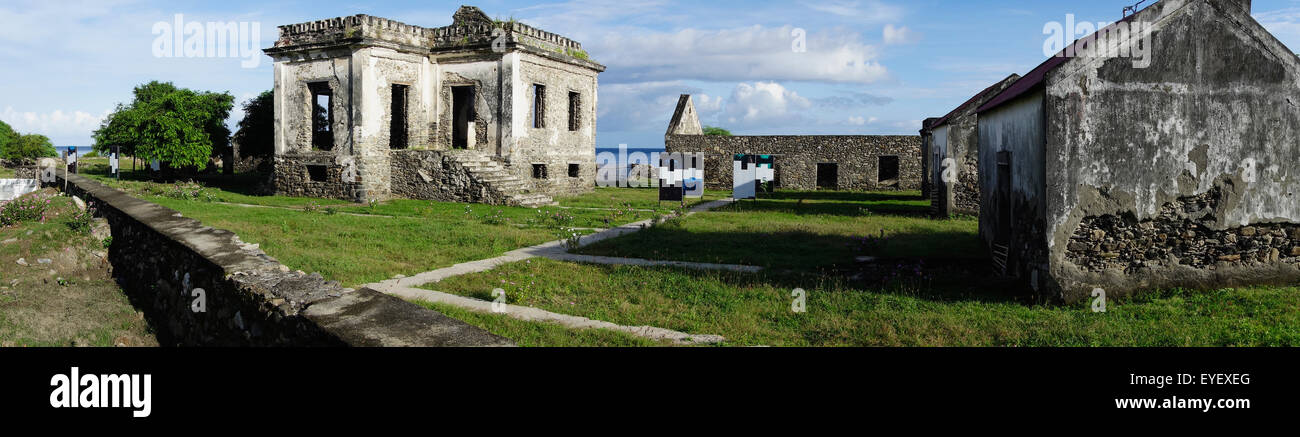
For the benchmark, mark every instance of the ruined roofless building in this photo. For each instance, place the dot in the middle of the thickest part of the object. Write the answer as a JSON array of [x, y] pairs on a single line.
[[488, 111], [802, 162], [1098, 173]]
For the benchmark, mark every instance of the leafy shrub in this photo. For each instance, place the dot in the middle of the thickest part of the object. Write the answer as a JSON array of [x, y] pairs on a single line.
[[81, 221], [23, 209]]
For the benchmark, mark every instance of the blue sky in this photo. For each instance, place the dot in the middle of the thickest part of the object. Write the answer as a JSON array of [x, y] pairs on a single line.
[[870, 66]]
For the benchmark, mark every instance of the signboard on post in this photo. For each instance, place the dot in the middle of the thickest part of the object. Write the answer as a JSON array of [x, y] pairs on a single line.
[[765, 173], [670, 177], [693, 179], [744, 176], [112, 160], [72, 159]]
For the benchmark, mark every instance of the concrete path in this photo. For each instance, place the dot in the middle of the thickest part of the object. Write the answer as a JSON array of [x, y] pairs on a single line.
[[405, 287], [555, 250], [539, 315]]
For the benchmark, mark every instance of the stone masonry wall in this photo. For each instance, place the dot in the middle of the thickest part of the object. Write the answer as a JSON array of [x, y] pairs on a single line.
[[434, 175], [161, 258], [1176, 236], [857, 158]]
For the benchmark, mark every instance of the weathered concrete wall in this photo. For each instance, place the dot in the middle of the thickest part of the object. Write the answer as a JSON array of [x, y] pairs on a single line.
[[160, 258], [362, 57], [1185, 173], [960, 139], [1012, 211], [856, 156], [554, 144]]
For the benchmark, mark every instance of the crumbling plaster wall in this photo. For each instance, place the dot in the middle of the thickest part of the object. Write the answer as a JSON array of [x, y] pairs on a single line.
[[553, 145], [1215, 113]]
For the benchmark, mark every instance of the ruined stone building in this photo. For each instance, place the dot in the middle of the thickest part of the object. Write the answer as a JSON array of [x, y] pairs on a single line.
[[1100, 174], [368, 108], [802, 162], [955, 137]]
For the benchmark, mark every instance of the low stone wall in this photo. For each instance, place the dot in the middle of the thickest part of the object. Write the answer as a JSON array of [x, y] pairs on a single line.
[[161, 258], [856, 158], [434, 175], [1180, 248]]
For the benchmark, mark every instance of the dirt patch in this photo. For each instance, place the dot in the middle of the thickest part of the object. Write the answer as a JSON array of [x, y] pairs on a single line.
[[56, 287]]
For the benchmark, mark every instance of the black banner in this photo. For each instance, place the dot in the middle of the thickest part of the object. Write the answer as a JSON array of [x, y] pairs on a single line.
[[369, 384]]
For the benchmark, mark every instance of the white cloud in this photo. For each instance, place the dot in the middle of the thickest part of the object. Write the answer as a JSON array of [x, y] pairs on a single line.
[[862, 11], [1284, 24], [59, 125], [860, 121], [764, 104], [899, 35], [749, 53]]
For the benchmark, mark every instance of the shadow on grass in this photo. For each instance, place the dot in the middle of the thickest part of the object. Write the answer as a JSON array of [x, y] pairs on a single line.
[[827, 208], [850, 196], [784, 250]]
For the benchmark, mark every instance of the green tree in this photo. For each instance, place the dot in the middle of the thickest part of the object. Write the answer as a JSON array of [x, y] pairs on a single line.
[[256, 134], [179, 127], [30, 146], [714, 130], [7, 135]]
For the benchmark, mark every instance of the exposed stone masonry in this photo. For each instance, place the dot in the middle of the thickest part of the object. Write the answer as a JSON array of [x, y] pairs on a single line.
[[1176, 236]]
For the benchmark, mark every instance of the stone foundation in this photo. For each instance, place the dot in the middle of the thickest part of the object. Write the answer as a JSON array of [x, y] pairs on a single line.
[[1178, 237]]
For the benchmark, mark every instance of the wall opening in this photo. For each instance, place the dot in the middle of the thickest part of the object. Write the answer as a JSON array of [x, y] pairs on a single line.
[[317, 173], [575, 111], [463, 113], [574, 170], [539, 171], [539, 106], [1002, 237], [322, 116], [887, 171], [397, 123], [828, 175]]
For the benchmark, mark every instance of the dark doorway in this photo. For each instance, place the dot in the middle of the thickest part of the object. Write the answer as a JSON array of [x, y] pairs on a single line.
[[1002, 239], [887, 171], [462, 110], [397, 137], [322, 116], [828, 175]]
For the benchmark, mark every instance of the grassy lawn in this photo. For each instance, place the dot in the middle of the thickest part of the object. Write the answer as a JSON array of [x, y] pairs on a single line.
[[751, 309], [64, 295], [361, 243], [804, 231]]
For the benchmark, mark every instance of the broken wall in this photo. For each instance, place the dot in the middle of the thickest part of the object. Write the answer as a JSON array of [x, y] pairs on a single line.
[[1185, 173], [857, 158]]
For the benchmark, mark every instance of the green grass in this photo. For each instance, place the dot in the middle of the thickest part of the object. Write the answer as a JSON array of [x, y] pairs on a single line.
[[804, 231], [751, 309], [361, 243], [540, 334]]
